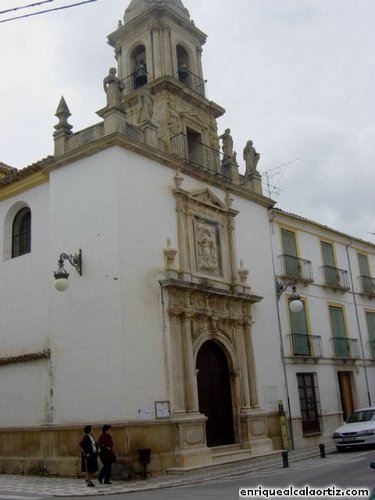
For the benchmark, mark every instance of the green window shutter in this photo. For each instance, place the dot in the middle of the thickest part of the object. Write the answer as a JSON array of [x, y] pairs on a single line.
[[340, 341], [300, 339], [292, 267], [363, 265], [364, 272], [331, 276], [370, 319]]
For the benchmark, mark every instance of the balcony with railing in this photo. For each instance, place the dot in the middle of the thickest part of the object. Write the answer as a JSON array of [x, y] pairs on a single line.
[[194, 82], [306, 346], [367, 285], [296, 269], [337, 279], [141, 77], [200, 156], [344, 347]]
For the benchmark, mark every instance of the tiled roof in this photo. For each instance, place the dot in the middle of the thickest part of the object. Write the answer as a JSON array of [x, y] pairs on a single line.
[[319, 224], [14, 175]]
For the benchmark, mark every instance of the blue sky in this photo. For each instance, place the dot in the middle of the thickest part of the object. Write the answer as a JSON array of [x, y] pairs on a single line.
[[295, 76]]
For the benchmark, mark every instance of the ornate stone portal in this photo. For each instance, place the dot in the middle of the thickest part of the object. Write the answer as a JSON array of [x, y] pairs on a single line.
[[207, 302]]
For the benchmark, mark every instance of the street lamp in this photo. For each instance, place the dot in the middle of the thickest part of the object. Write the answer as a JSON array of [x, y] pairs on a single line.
[[295, 303], [61, 274]]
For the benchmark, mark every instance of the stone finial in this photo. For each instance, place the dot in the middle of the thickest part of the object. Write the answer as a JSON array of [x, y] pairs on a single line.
[[63, 130], [169, 255], [63, 114], [243, 273]]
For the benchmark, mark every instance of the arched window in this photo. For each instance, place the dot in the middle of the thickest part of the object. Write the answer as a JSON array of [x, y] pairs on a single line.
[[140, 74], [21, 233], [183, 65]]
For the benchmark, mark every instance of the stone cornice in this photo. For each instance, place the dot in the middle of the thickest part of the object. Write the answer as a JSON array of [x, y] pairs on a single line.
[[23, 182], [38, 173]]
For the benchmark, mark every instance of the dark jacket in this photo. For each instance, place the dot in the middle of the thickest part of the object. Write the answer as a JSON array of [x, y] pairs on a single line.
[[105, 442], [89, 455]]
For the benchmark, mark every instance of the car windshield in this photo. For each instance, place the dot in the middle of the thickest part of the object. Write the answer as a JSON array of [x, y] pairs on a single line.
[[361, 416]]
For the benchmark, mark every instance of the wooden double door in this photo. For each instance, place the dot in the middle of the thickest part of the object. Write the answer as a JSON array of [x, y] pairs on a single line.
[[215, 395]]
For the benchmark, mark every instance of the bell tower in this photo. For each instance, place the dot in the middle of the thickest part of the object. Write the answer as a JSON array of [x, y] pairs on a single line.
[[158, 51]]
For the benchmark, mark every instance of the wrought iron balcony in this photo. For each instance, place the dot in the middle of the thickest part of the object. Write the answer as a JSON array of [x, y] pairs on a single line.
[[141, 77], [344, 347], [372, 348], [135, 81], [295, 268], [306, 345], [335, 278], [192, 81], [200, 156], [367, 285]]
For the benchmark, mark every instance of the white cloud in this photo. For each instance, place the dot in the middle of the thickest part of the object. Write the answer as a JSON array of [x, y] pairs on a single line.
[[295, 76]]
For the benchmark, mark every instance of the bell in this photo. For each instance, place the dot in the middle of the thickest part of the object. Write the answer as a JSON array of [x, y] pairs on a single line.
[[183, 72], [140, 76]]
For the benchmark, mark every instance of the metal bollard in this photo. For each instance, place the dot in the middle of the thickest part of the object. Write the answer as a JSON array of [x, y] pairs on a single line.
[[322, 449], [285, 458]]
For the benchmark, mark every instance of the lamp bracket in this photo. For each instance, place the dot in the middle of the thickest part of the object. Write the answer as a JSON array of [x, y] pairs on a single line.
[[281, 287], [74, 260]]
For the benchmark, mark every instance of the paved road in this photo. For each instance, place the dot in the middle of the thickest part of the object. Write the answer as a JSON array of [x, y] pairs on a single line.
[[346, 470]]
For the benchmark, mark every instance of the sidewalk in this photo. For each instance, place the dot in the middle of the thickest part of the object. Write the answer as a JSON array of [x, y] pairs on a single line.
[[61, 487]]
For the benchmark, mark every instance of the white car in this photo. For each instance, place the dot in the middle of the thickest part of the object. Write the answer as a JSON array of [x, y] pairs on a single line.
[[358, 430]]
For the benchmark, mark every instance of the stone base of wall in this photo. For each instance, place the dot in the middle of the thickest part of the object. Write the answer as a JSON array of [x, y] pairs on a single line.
[[328, 424], [54, 450]]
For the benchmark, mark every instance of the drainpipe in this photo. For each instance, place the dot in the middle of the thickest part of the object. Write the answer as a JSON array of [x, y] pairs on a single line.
[[282, 352], [358, 322]]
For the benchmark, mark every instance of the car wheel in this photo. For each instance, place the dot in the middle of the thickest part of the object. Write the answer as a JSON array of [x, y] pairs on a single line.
[[341, 449]]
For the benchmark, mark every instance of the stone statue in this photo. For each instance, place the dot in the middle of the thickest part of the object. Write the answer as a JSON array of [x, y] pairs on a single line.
[[146, 106], [173, 120], [251, 158], [227, 144], [207, 250], [113, 87]]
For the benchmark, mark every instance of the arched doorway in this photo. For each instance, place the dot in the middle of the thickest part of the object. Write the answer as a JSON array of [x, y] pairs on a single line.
[[214, 393]]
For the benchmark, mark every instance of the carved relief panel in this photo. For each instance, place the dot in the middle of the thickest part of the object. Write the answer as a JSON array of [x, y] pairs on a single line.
[[206, 236], [207, 246]]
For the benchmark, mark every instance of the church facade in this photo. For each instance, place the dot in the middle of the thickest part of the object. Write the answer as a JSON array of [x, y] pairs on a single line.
[[170, 329]]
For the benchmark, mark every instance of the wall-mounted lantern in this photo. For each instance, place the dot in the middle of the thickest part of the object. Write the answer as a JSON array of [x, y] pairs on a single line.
[[295, 302], [61, 274]]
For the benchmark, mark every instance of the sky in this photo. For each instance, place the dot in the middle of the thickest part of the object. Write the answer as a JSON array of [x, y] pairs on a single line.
[[297, 77]]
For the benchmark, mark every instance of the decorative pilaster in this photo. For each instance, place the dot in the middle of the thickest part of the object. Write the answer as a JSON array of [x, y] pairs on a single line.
[[255, 181], [241, 353], [191, 392], [182, 233], [114, 120], [251, 366], [179, 406]]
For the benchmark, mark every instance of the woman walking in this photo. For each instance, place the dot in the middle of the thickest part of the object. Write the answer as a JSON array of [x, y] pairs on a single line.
[[89, 455], [106, 454]]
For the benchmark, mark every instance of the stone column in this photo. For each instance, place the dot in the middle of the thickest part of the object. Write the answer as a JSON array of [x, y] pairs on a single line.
[[241, 355], [156, 45], [167, 50], [179, 405], [191, 393], [182, 235], [232, 249], [251, 366]]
